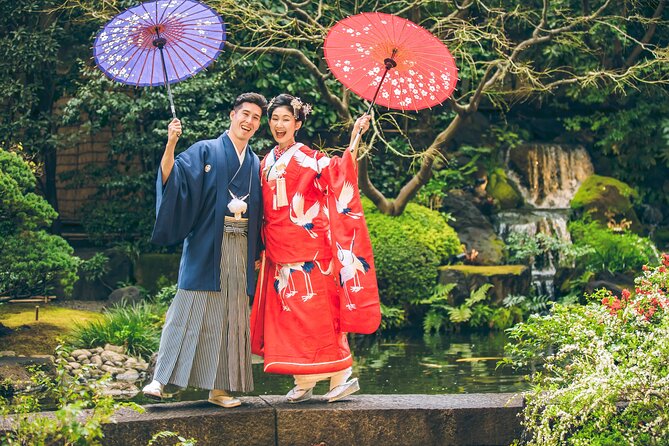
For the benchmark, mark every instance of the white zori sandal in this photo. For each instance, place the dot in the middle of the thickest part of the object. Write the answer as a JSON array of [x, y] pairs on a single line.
[[153, 390], [221, 398], [343, 390], [298, 394]]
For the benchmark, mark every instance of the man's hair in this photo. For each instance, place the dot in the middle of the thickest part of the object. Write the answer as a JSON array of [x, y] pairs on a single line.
[[253, 98]]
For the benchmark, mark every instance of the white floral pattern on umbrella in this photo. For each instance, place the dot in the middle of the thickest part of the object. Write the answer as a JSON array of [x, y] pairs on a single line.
[[194, 36], [356, 48]]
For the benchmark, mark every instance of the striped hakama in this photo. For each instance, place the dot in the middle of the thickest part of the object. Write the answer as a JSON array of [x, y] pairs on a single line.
[[205, 340]]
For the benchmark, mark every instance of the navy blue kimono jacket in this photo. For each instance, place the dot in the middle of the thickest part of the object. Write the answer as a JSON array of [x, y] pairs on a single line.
[[192, 205]]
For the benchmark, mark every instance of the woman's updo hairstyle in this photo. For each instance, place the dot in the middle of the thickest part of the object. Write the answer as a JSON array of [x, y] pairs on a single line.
[[300, 109]]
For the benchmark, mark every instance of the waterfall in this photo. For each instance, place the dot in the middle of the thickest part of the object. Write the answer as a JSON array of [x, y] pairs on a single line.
[[547, 176]]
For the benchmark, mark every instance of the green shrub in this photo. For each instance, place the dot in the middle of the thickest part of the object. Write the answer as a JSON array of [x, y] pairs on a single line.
[[425, 226], [31, 260], [137, 327], [604, 374], [166, 294], [405, 269], [608, 251]]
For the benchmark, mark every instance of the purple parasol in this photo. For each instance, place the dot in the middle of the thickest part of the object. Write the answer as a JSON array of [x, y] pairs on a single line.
[[159, 43]]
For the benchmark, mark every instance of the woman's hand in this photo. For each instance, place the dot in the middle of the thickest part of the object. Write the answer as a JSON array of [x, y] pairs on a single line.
[[173, 131], [361, 124]]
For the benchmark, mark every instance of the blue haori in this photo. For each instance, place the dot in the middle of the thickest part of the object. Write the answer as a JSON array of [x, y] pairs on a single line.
[[205, 341]]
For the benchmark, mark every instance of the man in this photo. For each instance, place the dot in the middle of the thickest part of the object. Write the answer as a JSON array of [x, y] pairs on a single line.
[[209, 197]]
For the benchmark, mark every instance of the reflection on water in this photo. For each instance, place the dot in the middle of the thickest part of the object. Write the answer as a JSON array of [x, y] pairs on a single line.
[[410, 363]]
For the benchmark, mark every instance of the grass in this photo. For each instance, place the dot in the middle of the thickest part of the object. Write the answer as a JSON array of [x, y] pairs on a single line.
[[39, 337]]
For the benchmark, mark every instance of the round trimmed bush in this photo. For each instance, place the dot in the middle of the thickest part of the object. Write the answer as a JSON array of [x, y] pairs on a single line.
[[408, 250]]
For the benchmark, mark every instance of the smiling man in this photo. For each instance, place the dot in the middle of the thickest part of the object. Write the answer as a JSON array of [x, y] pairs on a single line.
[[209, 197]]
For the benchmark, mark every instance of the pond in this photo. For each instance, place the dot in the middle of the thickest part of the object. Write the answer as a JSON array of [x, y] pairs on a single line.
[[406, 363]]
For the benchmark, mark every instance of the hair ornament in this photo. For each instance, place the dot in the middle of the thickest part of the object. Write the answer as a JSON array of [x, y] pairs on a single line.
[[298, 105]]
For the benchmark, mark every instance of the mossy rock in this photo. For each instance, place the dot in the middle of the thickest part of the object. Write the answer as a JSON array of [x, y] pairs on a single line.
[[504, 192], [606, 199]]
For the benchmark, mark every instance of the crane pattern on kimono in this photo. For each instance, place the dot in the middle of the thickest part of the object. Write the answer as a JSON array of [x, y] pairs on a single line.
[[301, 218], [344, 200], [351, 267], [284, 284], [312, 162]]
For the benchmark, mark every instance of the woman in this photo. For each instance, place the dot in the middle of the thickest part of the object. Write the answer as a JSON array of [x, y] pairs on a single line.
[[317, 279]]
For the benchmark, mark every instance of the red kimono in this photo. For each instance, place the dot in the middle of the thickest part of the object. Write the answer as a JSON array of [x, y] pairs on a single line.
[[318, 280]]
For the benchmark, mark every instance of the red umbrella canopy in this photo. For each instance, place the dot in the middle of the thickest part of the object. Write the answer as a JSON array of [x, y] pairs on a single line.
[[357, 50]]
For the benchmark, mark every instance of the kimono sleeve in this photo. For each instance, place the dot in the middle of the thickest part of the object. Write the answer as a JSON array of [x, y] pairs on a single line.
[[359, 308], [178, 201]]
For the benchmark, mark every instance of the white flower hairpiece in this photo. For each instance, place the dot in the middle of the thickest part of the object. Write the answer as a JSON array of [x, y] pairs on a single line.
[[298, 105]]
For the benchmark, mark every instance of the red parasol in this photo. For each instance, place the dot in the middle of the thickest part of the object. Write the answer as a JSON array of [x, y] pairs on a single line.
[[367, 49]]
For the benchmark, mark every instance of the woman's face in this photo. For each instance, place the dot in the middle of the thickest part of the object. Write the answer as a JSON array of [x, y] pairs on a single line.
[[283, 125]]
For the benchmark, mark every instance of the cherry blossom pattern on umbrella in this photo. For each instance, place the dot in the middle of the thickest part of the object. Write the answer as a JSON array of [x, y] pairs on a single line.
[[159, 42], [389, 60]]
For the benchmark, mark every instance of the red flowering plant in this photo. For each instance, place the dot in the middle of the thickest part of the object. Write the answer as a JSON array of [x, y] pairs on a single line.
[[601, 369], [649, 302]]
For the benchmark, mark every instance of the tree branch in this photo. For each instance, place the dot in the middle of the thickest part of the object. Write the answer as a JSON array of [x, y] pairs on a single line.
[[342, 110]]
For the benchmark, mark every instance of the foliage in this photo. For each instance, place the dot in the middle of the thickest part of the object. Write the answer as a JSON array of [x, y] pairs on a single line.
[[137, 327], [407, 251], [392, 317], [68, 426], [532, 249], [39, 45], [441, 314], [631, 136], [427, 227], [31, 261], [181, 441], [604, 371], [166, 294], [608, 251]]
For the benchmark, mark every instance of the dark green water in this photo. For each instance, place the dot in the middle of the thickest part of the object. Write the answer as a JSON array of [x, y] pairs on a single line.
[[410, 363]]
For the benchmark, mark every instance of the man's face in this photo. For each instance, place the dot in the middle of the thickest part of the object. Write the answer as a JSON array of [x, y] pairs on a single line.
[[245, 121]]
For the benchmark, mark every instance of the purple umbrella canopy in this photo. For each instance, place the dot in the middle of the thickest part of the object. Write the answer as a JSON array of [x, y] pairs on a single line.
[[159, 42]]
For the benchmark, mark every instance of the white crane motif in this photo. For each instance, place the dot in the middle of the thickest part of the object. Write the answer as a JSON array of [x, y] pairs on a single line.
[[301, 218], [345, 197], [352, 265]]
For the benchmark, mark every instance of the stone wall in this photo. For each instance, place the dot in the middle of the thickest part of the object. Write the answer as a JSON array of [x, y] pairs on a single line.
[[362, 420]]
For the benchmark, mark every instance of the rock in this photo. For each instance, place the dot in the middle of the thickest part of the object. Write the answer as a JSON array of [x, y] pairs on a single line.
[[129, 375], [96, 360], [114, 348], [80, 352], [125, 296], [474, 230], [141, 366], [608, 201], [120, 389], [81, 358], [504, 192], [74, 365], [7, 353], [113, 357], [112, 370]]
